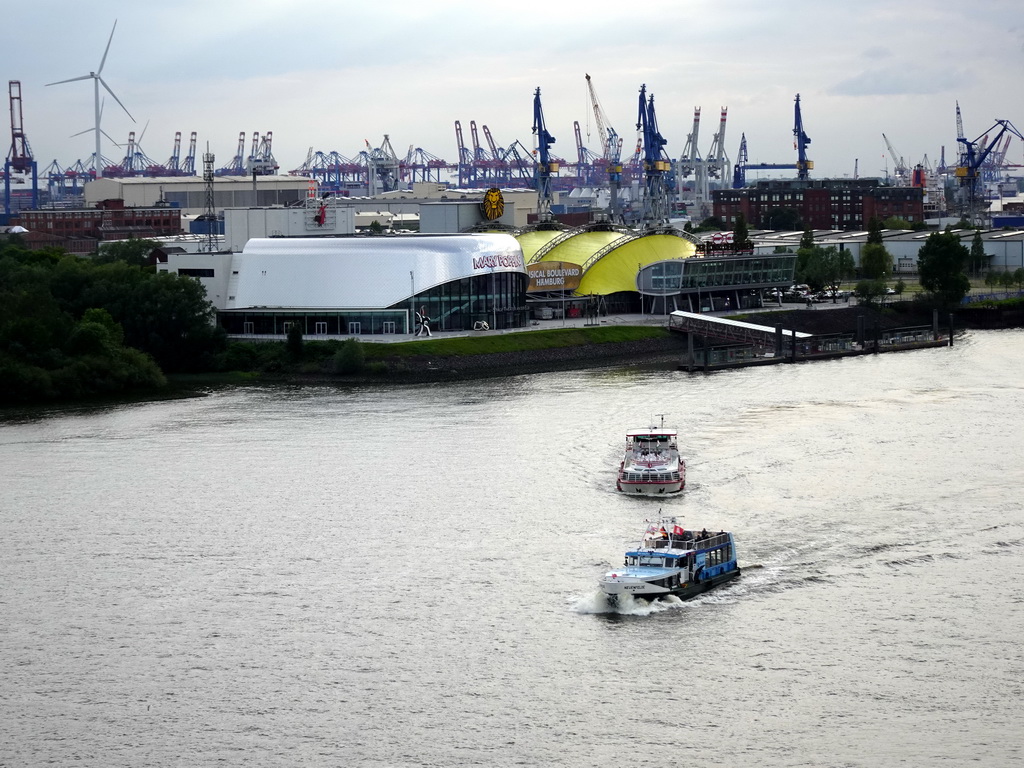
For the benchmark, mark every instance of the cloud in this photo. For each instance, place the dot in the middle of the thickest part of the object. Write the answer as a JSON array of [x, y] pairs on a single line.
[[899, 80]]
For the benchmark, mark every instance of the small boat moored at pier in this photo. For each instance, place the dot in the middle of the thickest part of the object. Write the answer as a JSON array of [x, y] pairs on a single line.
[[670, 560], [652, 465]]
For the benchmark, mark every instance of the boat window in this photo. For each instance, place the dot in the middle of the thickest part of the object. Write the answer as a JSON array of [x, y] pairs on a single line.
[[652, 561]]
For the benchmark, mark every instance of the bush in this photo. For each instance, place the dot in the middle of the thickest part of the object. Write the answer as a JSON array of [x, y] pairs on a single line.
[[350, 358]]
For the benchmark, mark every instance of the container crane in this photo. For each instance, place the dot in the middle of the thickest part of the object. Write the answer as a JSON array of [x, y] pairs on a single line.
[[545, 166], [611, 152], [656, 164], [174, 161], [237, 165], [19, 158], [188, 166], [466, 170]]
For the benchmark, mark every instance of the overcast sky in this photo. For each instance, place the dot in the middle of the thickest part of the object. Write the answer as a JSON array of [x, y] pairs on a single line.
[[332, 75]]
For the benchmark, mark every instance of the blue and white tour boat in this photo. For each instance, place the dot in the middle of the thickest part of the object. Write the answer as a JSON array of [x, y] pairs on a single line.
[[672, 560]]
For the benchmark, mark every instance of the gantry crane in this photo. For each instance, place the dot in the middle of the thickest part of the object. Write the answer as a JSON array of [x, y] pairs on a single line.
[[19, 158]]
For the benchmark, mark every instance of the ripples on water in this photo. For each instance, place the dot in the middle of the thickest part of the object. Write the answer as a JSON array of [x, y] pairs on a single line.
[[407, 576]]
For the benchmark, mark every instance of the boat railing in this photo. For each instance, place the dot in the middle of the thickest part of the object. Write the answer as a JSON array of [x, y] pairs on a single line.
[[687, 541]]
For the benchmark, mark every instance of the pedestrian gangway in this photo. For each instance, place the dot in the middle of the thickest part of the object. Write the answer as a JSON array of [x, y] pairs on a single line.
[[730, 330]]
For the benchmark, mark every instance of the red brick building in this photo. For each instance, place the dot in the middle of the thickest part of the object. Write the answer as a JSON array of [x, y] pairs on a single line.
[[81, 230], [835, 204]]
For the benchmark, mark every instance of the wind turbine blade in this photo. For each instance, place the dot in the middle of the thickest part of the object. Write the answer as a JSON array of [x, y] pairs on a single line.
[[87, 130], [104, 84], [139, 141], [109, 137], [105, 52], [72, 80]]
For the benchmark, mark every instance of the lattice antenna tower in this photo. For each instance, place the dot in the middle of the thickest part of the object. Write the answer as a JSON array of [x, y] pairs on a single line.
[[210, 242]]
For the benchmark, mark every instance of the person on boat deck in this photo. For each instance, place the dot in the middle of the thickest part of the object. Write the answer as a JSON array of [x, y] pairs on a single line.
[[703, 533]]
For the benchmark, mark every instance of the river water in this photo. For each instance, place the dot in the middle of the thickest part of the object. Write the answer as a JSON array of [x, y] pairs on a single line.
[[407, 576]]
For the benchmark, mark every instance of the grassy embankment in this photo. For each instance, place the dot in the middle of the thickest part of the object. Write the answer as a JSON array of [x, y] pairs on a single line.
[[252, 361]]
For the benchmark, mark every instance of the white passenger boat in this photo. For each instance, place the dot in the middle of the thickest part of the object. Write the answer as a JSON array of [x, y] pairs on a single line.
[[671, 560], [652, 465]]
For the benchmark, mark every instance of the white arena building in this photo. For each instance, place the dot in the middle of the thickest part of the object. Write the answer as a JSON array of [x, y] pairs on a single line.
[[367, 284]]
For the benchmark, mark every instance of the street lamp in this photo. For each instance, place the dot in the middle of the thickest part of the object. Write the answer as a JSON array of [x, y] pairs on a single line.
[[412, 301]]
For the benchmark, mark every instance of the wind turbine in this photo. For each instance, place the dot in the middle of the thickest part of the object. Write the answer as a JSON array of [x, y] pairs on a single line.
[[97, 81]]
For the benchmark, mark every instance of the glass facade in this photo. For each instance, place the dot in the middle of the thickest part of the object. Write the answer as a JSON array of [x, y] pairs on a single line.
[[685, 275], [498, 299]]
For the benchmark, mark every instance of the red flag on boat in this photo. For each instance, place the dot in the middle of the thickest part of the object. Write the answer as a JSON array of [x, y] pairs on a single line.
[[677, 530]]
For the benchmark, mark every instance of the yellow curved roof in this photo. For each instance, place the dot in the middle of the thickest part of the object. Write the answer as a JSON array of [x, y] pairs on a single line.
[[580, 247], [617, 270], [534, 240]]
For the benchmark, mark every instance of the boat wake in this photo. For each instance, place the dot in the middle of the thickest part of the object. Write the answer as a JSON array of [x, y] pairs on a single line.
[[627, 605]]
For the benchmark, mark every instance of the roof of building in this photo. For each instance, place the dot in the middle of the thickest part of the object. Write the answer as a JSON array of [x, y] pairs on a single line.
[[362, 272]]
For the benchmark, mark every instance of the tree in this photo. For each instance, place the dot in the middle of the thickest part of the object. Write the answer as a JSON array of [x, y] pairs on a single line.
[[874, 231], [875, 261], [900, 286], [1006, 280], [711, 223], [1018, 278], [807, 239], [131, 251], [895, 222], [741, 235], [294, 342], [991, 279], [349, 358], [979, 260], [870, 291], [784, 219], [941, 262]]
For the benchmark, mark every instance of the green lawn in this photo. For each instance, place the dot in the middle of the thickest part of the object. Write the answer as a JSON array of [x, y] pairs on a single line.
[[487, 343]]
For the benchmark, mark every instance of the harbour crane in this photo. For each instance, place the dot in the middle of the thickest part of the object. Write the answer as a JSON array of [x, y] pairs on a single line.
[[19, 158], [800, 142], [803, 165], [611, 152], [188, 166], [545, 167], [586, 160], [900, 169], [974, 154], [657, 165], [173, 162], [466, 168], [739, 175], [237, 165]]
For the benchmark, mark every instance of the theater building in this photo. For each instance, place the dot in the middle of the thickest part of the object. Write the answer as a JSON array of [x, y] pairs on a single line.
[[370, 285]]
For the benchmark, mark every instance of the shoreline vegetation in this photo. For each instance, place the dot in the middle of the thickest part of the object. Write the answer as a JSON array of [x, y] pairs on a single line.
[[297, 361], [531, 351]]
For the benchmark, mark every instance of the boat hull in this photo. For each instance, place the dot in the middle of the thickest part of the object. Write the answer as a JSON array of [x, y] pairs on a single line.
[[613, 590], [650, 489]]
